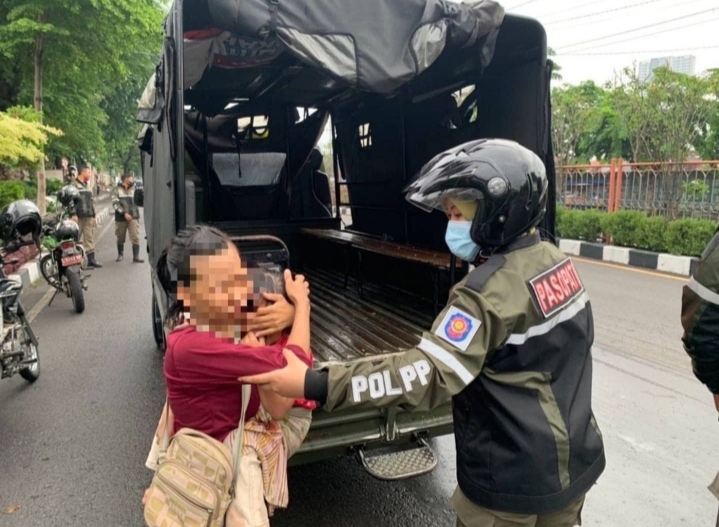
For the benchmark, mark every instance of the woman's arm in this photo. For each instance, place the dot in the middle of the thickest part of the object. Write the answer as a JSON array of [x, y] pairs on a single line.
[[299, 290], [276, 405]]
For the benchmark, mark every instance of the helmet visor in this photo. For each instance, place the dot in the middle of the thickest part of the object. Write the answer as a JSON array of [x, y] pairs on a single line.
[[444, 186]]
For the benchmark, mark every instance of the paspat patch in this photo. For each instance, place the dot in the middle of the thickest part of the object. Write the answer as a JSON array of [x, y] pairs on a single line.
[[458, 328]]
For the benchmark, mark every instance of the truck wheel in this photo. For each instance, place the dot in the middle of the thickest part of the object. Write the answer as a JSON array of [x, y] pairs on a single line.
[[157, 326], [76, 292]]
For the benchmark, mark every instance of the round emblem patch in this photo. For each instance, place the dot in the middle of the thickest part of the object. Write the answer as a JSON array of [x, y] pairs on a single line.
[[458, 327]]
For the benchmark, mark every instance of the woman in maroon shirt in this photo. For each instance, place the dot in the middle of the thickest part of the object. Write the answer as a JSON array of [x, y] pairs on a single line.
[[211, 293]]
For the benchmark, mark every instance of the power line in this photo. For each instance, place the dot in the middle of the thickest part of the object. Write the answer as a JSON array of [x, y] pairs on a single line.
[[598, 54], [596, 13], [522, 5], [621, 33], [580, 6], [596, 19], [583, 49]]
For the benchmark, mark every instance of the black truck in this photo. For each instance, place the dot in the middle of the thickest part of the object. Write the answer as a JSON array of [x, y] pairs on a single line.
[[255, 102]]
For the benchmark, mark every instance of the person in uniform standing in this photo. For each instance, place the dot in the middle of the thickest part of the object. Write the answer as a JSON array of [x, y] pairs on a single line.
[[700, 320], [127, 217], [84, 215], [512, 348]]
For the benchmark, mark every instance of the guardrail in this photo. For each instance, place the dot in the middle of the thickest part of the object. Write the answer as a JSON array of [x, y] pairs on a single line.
[[675, 190]]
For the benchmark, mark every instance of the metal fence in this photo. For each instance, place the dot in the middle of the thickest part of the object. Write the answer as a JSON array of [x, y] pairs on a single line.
[[673, 190]]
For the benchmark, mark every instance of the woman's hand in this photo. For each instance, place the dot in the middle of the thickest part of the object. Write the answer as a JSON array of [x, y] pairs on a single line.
[[145, 497], [297, 288], [273, 318], [252, 340]]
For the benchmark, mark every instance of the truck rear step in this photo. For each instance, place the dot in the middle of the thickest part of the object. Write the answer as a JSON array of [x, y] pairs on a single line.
[[394, 465]]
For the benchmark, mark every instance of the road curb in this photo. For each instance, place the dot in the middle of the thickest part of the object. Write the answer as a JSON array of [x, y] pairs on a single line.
[[666, 263]]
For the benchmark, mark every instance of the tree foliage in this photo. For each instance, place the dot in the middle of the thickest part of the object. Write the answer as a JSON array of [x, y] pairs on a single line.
[[660, 121], [22, 137], [94, 53]]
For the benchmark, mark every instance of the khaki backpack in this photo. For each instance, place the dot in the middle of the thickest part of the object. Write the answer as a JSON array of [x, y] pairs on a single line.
[[194, 484]]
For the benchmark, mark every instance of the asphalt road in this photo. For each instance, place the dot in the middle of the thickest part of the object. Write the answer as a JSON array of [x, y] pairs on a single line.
[[72, 446]]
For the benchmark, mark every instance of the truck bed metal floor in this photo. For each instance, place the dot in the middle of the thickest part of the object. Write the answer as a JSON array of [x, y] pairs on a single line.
[[346, 326]]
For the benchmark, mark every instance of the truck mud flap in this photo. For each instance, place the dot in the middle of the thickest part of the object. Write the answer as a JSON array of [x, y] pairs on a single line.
[[396, 464]]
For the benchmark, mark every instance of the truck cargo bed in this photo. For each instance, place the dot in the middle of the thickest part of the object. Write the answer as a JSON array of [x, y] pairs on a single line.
[[347, 326]]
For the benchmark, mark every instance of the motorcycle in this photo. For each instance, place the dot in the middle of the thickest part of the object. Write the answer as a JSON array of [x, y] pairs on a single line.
[[19, 346], [62, 267]]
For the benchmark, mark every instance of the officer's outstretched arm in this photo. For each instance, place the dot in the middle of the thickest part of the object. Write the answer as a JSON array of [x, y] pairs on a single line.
[[448, 358]]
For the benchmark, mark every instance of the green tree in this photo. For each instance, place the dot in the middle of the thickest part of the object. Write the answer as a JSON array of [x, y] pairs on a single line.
[[80, 53], [574, 110], [707, 142], [556, 69], [663, 118], [22, 138]]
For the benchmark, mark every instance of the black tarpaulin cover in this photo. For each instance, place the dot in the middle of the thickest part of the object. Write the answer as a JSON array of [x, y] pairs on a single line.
[[375, 45]]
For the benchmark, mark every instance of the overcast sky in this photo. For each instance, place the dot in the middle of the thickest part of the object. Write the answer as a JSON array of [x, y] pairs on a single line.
[[676, 25]]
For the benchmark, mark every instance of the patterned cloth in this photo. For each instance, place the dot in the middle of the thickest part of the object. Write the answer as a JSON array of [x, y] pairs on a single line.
[[274, 443]]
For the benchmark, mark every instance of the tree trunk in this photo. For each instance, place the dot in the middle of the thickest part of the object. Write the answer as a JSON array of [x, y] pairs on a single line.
[[39, 45]]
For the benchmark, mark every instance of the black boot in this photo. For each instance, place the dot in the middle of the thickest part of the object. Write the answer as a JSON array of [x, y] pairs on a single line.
[[136, 254], [91, 262], [120, 250]]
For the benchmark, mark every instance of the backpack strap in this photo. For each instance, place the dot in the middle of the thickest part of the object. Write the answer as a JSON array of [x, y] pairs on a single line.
[[239, 441], [165, 439]]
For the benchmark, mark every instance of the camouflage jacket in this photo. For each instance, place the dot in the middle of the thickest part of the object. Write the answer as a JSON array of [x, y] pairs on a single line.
[[700, 317], [123, 201]]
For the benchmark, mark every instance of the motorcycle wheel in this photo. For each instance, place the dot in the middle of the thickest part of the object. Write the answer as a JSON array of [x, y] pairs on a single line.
[[32, 372], [49, 271], [157, 330], [76, 292]]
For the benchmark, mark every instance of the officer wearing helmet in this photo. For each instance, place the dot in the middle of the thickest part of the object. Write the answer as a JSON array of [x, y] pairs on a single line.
[[512, 348]]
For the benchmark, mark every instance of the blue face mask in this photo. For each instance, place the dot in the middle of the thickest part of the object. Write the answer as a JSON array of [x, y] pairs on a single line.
[[460, 242]]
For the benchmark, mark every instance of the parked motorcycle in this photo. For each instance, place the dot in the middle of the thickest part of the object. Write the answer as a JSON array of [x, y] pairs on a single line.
[[18, 343], [62, 267]]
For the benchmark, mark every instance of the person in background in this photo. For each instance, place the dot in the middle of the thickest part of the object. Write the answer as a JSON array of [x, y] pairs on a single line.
[[700, 320], [71, 174], [512, 349], [84, 215], [127, 217]]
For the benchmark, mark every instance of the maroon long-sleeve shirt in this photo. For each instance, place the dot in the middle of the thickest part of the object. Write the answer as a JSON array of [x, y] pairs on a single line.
[[201, 372]]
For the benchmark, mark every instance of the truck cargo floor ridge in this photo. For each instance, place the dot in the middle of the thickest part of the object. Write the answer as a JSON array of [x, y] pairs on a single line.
[[346, 327]]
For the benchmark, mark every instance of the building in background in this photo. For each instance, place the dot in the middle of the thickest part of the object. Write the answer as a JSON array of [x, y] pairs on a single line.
[[684, 64]]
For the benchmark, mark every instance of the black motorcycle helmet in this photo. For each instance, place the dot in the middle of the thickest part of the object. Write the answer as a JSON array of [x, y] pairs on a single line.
[[508, 180], [19, 220], [68, 195], [67, 230]]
